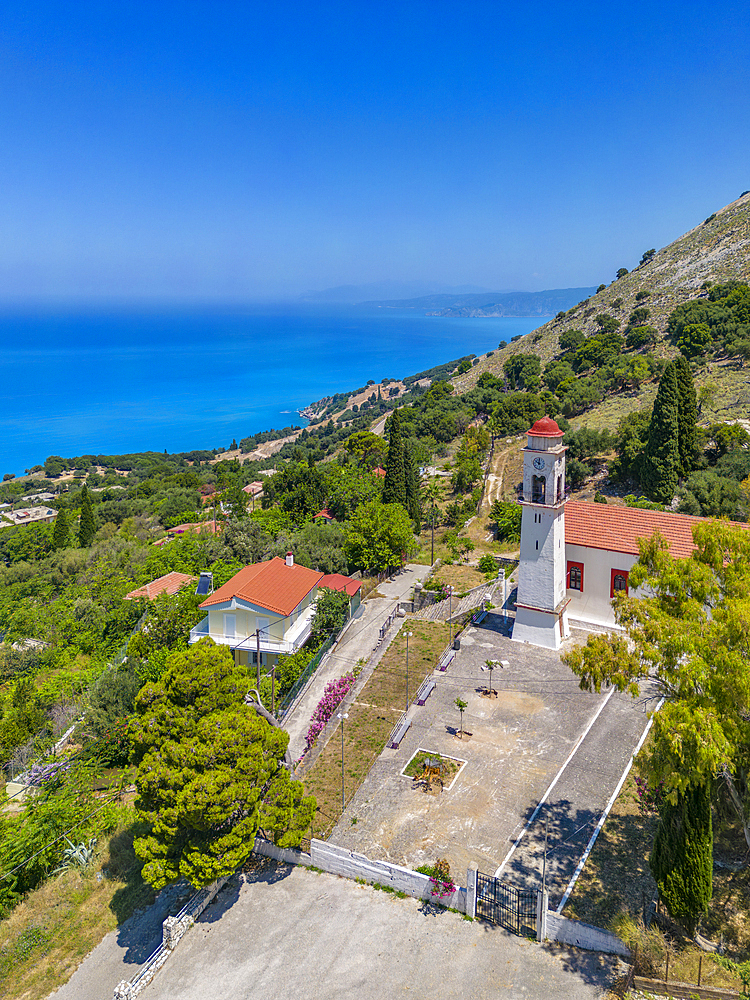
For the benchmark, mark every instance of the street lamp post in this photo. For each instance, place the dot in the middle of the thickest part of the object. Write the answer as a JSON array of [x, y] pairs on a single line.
[[450, 614], [342, 716], [408, 636]]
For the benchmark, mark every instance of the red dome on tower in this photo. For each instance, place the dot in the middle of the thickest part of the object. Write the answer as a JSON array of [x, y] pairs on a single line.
[[546, 427]]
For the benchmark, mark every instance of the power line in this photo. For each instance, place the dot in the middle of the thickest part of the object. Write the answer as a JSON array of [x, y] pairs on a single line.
[[52, 842]]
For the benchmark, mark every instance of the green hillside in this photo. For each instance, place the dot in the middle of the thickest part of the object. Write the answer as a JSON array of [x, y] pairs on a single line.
[[717, 251]]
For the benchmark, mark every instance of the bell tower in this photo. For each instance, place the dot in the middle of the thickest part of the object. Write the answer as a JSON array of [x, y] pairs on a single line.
[[541, 616]]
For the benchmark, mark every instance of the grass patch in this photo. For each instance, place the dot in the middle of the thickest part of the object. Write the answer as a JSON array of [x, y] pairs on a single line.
[[461, 578], [371, 719], [417, 764], [47, 936]]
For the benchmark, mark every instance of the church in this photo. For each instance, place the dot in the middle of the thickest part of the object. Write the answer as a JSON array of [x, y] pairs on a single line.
[[576, 555]]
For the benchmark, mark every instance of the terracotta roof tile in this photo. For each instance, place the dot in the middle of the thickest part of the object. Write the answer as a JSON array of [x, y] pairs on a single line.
[[168, 584], [617, 529], [272, 585], [337, 581]]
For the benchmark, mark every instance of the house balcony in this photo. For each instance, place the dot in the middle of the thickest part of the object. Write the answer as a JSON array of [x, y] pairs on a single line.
[[294, 637]]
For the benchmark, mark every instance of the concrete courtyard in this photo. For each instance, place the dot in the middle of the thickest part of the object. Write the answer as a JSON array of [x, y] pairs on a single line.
[[293, 933], [519, 742]]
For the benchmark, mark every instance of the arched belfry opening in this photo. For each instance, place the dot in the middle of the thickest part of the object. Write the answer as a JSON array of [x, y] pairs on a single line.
[[538, 489]]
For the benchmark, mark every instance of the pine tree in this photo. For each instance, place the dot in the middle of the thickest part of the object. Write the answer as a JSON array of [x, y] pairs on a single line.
[[682, 856], [413, 494], [87, 527], [661, 462], [687, 414], [61, 533], [394, 484]]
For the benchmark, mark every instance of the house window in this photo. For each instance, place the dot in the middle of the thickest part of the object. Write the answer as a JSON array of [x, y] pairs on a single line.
[[619, 582], [230, 626], [575, 576]]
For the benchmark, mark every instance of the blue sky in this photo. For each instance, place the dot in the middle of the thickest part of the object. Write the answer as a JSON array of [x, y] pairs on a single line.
[[246, 150]]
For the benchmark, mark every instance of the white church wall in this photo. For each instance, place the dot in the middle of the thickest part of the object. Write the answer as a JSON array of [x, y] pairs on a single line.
[[538, 628], [594, 603]]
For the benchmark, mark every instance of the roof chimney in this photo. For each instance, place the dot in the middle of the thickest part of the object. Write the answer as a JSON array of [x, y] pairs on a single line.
[[289, 559]]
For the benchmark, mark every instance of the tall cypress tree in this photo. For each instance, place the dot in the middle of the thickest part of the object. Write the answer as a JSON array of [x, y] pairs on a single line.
[[87, 527], [413, 494], [394, 484], [61, 533], [687, 414], [682, 856], [661, 462]]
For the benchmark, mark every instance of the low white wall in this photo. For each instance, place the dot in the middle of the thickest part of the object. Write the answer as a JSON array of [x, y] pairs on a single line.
[[289, 855], [580, 935], [339, 861]]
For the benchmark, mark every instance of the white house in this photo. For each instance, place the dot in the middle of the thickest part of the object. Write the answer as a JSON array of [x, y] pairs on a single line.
[[267, 606], [576, 555]]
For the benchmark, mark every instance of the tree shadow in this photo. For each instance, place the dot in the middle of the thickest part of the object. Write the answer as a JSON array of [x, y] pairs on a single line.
[[259, 869]]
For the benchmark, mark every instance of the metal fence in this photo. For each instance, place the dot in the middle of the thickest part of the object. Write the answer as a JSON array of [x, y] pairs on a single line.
[[290, 697]]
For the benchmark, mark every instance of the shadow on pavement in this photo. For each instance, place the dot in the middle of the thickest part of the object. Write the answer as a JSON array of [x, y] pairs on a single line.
[[266, 871], [592, 967], [141, 934]]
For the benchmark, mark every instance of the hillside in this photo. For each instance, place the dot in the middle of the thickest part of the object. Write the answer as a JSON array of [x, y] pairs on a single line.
[[717, 250]]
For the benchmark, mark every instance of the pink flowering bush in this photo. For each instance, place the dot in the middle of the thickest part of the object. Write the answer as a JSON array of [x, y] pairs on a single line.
[[334, 694]]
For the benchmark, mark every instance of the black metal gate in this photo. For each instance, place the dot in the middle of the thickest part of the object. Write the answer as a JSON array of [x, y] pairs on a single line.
[[506, 905]]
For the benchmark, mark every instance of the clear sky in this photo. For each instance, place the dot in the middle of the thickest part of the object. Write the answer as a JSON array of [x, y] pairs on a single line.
[[226, 150]]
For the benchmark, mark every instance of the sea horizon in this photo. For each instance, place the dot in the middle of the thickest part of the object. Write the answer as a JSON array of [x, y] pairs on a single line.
[[104, 380]]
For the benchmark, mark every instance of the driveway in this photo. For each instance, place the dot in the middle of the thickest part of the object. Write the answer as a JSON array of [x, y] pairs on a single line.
[[358, 642], [291, 933]]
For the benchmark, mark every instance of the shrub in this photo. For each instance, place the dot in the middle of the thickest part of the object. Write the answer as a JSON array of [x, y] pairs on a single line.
[[487, 564], [640, 296]]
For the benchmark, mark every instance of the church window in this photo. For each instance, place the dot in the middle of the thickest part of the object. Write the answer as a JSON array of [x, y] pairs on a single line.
[[538, 489], [537, 543], [575, 576], [559, 488], [619, 582]]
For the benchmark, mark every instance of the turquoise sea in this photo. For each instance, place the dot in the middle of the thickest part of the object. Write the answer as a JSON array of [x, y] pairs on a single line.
[[110, 382]]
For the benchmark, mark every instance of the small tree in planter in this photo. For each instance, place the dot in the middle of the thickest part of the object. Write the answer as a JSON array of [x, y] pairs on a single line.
[[490, 664], [461, 706]]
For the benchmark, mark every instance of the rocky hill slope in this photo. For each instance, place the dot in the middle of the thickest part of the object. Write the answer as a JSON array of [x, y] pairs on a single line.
[[717, 250]]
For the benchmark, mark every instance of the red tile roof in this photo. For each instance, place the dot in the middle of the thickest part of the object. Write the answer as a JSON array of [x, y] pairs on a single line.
[[323, 513], [546, 427], [210, 526], [378, 472], [337, 581], [168, 584], [272, 585], [617, 529]]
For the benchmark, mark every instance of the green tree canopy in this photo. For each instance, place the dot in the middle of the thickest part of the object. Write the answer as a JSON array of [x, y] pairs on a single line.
[[379, 536], [211, 771], [87, 526], [394, 485], [687, 641], [661, 462]]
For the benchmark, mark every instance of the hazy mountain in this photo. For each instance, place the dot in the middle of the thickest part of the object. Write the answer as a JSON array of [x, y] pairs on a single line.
[[379, 290], [545, 303]]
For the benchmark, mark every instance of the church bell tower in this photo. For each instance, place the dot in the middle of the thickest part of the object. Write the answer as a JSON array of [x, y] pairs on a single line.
[[541, 616]]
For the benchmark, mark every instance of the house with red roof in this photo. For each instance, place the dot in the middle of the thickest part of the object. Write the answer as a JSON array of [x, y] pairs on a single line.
[[267, 607], [170, 584]]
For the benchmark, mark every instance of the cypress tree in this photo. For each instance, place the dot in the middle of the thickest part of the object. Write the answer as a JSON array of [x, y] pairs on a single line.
[[61, 532], [687, 414], [413, 494], [682, 856], [394, 484], [87, 527], [661, 462]]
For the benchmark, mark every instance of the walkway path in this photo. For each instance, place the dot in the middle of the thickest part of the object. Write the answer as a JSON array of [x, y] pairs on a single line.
[[358, 642], [455, 607]]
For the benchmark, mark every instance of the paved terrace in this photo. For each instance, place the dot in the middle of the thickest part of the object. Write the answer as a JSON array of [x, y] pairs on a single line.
[[519, 742]]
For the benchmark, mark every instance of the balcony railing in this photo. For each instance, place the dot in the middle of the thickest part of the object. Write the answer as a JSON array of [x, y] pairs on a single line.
[[295, 637]]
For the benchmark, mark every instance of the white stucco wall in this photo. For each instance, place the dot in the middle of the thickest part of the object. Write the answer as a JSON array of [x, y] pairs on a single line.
[[594, 605]]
